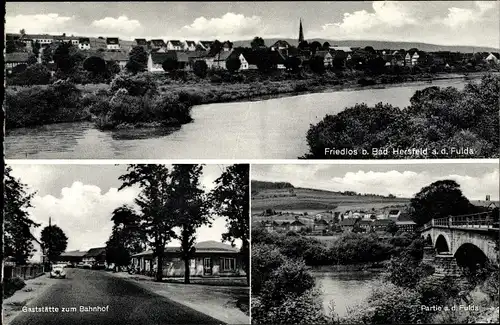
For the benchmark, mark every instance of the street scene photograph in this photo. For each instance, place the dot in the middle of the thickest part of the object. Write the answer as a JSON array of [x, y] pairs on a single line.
[[126, 244], [252, 80], [375, 243]]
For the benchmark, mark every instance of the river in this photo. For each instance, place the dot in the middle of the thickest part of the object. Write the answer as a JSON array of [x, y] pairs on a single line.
[[267, 129], [345, 289]]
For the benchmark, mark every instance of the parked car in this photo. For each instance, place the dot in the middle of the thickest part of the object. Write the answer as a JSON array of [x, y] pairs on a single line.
[[86, 266], [58, 271], [99, 266]]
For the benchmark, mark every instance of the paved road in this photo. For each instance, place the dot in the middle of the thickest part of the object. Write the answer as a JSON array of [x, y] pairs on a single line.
[[128, 303]]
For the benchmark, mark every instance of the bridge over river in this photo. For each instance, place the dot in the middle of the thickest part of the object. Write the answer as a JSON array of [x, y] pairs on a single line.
[[461, 241]]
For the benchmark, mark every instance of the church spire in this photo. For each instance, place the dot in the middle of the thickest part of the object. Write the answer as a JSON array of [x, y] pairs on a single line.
[[301, 32]]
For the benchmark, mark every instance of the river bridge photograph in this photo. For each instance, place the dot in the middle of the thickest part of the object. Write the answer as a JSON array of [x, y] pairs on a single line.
[[375, 244]]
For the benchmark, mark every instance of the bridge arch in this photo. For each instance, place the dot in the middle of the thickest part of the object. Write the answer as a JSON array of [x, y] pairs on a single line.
[[470, 256], [441, 244]]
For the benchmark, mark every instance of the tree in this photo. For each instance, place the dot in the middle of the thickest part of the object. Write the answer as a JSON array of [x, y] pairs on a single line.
[[47, 54], [326, 46], [189, 208], [233, 64], [32, 60], [304, 45], [215, 48], [317, 64], [126, 237], [156, 219], [137, 60], [200, 68], [292, 63], [230, 198], [264, 61], [36, 48], [95, 64], [257, 42], [54, 241], [439, 200], [314, 46], [36, 74], [112, 68], [66, 57], [170, 65], [10, 46], [392, 228], [17, 238]]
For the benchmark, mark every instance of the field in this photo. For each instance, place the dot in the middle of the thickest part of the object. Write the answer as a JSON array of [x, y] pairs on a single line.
[[300, 200]]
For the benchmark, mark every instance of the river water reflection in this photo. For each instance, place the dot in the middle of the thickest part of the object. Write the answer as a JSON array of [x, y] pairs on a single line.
[[345, 289], [268, 129]]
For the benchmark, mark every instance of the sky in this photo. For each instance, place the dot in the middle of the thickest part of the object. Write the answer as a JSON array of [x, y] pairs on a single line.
[[475, 180], [81, 198], [474, 23]]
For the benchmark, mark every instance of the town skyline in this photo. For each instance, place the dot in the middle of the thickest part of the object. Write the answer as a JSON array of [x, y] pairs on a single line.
[[403, 181], [459, 23]]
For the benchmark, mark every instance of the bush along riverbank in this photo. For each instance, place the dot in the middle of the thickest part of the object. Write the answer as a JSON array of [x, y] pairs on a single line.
[[439, 123], [284, 289], [155, 100], [38, 105]]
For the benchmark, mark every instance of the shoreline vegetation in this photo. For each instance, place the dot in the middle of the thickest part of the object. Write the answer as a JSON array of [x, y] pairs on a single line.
[[158, 100], [285, 268]]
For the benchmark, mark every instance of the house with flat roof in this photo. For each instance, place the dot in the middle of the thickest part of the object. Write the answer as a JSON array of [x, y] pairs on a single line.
[[211, 259]]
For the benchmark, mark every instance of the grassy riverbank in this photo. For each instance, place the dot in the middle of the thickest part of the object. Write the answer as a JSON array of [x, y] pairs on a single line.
[[158, 100]]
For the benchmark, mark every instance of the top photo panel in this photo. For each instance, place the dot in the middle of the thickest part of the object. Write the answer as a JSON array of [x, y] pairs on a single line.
[[246, 80]]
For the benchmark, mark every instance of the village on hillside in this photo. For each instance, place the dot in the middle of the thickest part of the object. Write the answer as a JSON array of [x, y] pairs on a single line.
[[379, 219], [24, 49]]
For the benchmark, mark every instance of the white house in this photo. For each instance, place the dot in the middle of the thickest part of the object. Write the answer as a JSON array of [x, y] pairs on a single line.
[[38, 252], [244, 62], [112, 43], [84, 44], [155, 61], [493, 58], [205, 45], [174, 45], [190, 46], [42, 39]]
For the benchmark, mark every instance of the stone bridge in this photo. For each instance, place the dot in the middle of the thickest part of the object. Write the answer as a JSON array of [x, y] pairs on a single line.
[[460, 241]]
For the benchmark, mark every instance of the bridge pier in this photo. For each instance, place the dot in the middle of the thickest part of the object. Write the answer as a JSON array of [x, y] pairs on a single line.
[[445, 264], [429, 255]]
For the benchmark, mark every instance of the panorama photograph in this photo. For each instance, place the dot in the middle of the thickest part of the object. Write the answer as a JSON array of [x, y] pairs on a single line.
[[375, 243], [126, 244], [247, 80]]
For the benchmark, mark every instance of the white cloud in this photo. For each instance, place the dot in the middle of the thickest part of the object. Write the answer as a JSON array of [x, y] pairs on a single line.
[[120, 24], [83, 212], [39, 23], [459, 16], [399, 183], [230, 25], [419, 22]]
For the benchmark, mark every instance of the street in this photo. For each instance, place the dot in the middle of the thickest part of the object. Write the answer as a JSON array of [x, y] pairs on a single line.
[[120, 302]]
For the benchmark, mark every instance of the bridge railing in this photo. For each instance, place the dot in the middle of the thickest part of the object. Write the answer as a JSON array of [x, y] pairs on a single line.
[[476, 220]]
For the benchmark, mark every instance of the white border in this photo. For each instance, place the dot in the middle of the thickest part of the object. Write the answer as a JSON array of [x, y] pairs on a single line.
[[251, 161]]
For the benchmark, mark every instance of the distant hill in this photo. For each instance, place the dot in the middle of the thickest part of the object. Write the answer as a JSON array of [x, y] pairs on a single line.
[[257, 185], [268, 195], [380, 45]]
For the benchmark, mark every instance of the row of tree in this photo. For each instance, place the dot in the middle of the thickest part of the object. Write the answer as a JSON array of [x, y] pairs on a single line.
[[17, 236], [172, 198]]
